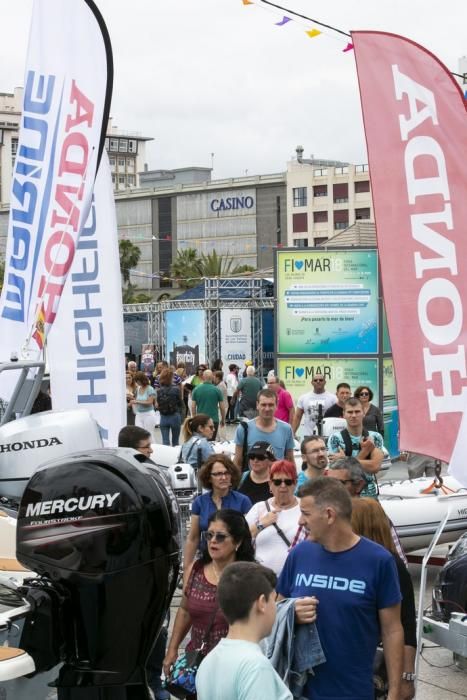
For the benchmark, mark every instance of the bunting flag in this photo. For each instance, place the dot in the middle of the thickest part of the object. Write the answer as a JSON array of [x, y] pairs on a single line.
[[283, 21], [67, 92], [313, 32], [248, 2], [415, 125], [86, 343], [349, 47]]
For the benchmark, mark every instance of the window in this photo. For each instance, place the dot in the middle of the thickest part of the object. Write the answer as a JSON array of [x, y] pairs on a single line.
[[320, 240], [300, 223], [131, 180], [121, 179], [132, 146], [340, 192], [114, 179], [299, 197], [113, 145], [320, 190], [300, 242], [107, 144], [361, 168], [320, 172], [111, 161], [320, 217], [123, 145], [363, 213], [130, 164], [121, 162], [362, 186], [341, 218], [344, 170], [14, 149]]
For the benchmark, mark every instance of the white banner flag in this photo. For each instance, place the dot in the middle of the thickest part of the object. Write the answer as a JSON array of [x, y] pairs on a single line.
[[85, 345], [67, 92], [235, 336]]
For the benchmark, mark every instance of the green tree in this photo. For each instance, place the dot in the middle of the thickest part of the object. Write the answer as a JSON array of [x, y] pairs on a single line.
[[185, 268], [129, 258], [130, 295]]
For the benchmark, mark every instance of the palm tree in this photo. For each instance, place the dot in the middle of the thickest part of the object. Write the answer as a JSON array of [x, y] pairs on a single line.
[[214, 265], [129, 258], [185, 268]]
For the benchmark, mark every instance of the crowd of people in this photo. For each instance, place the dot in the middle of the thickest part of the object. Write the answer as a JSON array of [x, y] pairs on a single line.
[[316, 545]]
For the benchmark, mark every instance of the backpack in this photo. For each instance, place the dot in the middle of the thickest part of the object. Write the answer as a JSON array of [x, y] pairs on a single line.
[[167, 401], [348, 442]]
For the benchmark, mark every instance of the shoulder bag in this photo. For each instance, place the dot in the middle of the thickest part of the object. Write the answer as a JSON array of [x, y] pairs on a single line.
[[181, 680]]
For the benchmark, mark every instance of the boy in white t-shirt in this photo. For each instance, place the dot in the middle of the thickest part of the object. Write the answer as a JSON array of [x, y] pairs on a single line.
[[236, 669]]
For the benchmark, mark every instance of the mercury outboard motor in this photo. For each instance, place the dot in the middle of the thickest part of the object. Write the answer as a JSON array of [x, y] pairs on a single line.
[[102, 531]]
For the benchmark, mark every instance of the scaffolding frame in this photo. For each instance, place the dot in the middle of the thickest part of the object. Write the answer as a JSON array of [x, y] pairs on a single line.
[[256, 300]]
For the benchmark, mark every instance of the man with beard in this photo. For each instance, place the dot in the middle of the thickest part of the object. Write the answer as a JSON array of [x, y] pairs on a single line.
[[315, 459]]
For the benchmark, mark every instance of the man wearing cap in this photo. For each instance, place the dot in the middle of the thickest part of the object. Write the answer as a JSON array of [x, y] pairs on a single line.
[[255, 482]]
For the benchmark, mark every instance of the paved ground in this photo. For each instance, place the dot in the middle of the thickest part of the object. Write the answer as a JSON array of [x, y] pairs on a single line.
[[439, 677]]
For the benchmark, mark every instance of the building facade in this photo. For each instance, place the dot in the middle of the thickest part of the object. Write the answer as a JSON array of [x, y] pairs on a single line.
[[323, 198], [10, 117], [243, 218]]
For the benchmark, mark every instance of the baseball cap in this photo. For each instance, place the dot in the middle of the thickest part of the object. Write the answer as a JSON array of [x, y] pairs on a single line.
[[262, 449], [248, 363]]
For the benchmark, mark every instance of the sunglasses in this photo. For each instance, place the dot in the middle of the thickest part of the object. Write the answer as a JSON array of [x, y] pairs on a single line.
[[364, 393], [318, 380], [287, 482], [217, 536], [260, 458]]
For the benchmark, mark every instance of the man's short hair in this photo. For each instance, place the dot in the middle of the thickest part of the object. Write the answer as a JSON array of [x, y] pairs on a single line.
[[342, 385], [131, 436], [350, 464], [250, 370], [267, 393], [307, 439], [328, 492], [240, 586], [353, 401]]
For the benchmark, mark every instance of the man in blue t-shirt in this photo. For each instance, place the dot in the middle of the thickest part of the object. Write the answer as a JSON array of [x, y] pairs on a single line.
[[264, 428], [353, 584]]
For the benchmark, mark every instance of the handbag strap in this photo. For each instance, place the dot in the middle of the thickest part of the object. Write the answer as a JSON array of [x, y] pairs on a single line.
[[279, 531]]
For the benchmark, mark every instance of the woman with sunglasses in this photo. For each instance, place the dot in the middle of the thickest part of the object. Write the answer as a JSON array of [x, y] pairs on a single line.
[[228, 539], [372, 416], [220, 476], [274, 523], [197, 433]]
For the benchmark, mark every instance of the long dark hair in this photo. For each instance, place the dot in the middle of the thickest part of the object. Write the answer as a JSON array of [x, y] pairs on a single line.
[[239, 530]]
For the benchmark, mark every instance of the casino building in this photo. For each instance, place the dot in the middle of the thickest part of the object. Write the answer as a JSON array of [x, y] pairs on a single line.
[[243, 217]]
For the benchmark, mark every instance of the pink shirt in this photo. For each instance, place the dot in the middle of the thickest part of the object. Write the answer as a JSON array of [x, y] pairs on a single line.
[[284, 404]]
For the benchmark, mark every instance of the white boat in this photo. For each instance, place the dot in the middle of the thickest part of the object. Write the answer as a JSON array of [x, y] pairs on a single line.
[[416, 508]]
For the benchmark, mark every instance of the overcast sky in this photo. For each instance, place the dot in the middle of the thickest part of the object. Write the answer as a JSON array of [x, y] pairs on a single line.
[[215, 76]]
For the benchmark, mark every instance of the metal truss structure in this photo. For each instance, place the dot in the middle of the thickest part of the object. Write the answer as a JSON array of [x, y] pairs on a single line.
[[219, 293]]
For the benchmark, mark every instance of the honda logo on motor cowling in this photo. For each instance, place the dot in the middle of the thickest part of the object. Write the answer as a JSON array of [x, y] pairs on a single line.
[[70, 505]]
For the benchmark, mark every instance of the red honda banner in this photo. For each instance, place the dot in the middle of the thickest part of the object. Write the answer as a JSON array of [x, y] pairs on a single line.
[[416, 131]]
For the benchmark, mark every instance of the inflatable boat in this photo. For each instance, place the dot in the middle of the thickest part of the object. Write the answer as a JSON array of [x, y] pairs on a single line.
[[417, 506]]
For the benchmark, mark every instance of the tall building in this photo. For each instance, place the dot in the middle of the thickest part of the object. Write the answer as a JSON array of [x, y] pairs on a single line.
[[243, 218], [127, 156], [10, 116], [126, 150], [324, 197]]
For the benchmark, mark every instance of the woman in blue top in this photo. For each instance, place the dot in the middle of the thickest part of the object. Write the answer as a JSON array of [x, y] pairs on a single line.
[[221, 477], [197, 432]]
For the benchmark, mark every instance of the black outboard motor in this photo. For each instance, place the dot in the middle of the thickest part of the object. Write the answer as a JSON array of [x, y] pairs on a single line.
[[103, 532]]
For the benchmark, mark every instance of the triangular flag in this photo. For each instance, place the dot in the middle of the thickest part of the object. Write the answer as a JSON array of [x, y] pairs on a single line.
[[313, 32], [349, 47], [283, 21], [248, 2]]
